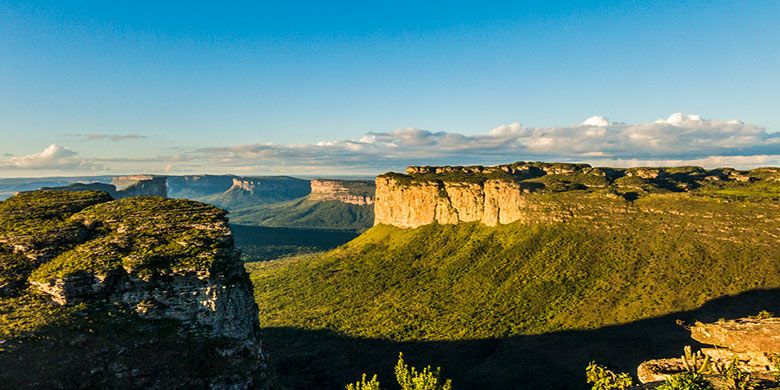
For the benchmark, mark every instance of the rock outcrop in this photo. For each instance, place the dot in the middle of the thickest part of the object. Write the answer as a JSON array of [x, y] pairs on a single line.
[[741, 335], [520, 191], [753, 344], [356, 192], [162, 260]]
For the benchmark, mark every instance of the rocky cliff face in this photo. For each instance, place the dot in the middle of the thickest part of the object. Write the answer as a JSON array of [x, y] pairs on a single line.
[[522, 191], [155, 261], [346, 191], [140, 185]]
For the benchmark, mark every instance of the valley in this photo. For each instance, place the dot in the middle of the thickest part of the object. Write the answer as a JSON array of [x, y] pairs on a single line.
[[510, 276]]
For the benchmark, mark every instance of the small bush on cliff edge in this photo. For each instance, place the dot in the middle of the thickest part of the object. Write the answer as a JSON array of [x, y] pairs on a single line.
[[408, 378], [686, 381], [604, 379], [364, 384]]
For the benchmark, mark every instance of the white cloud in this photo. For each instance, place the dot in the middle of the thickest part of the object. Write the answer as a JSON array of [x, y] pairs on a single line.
[[54, 157], [679, 138], [596, 120]]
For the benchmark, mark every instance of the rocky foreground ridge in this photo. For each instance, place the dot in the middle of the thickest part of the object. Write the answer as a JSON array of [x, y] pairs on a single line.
[[145, 289], [534, 191], [748, 346]]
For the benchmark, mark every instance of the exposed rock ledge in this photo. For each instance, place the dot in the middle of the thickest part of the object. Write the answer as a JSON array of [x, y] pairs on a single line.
[[346, 191], [753, 343]]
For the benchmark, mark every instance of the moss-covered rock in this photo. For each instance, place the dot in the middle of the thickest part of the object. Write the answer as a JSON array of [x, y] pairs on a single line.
[[120, 276]]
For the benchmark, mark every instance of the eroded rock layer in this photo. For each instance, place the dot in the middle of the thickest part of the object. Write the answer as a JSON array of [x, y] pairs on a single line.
[[356, 192]]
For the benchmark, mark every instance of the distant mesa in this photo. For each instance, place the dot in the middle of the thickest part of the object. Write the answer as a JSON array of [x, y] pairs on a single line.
[[124, 186], [356, 192]]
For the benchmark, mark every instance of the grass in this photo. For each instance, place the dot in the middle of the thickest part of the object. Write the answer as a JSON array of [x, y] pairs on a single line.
[[458, 284], [304, 213], [143, 236]]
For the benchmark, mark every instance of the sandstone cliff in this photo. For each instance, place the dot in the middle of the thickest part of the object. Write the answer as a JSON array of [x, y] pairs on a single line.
[[356, 192], [524, 191], [134, 267]]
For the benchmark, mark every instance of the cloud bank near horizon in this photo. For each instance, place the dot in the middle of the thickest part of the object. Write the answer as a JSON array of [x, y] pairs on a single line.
[[679, 139]]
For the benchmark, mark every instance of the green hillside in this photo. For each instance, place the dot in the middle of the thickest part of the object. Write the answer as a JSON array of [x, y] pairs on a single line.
[[528, 304], [248, 191], [307, 213]]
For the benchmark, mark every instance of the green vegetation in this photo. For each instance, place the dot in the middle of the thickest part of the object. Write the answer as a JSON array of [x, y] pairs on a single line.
[[144, 236], [455, 284], [97, 344], [734, 378], [604, 379], [759, 183], [259, 243], [763, 314], [363, 384], [258, 190], [304, 213], [759, 190], [408, 378], [450, 282], [40, 223], [428, 379], [686, 381]]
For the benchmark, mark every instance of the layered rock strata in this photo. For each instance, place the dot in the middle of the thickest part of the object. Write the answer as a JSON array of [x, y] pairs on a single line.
[[346, 191]]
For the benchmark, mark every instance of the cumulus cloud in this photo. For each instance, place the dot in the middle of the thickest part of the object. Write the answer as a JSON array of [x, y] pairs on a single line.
[[54, 157], [679, 138]]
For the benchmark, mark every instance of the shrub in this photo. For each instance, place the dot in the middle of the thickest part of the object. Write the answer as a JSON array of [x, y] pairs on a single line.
[[734, 378], [410, 379], [605, 379], [686, 381], [372, 384], [763, 314]]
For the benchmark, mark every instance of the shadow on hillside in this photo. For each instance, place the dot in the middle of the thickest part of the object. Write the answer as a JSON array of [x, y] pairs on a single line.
[[259, 243], [324, 359]]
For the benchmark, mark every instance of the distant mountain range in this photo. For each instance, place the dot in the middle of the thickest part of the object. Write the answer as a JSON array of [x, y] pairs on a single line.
[[274, 201]]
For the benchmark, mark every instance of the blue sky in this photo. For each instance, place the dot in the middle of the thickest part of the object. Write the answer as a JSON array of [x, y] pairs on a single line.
[[300, 87]]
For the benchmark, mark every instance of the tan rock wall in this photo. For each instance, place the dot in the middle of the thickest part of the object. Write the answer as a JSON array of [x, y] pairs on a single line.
[[352, 192], [409, 206]]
